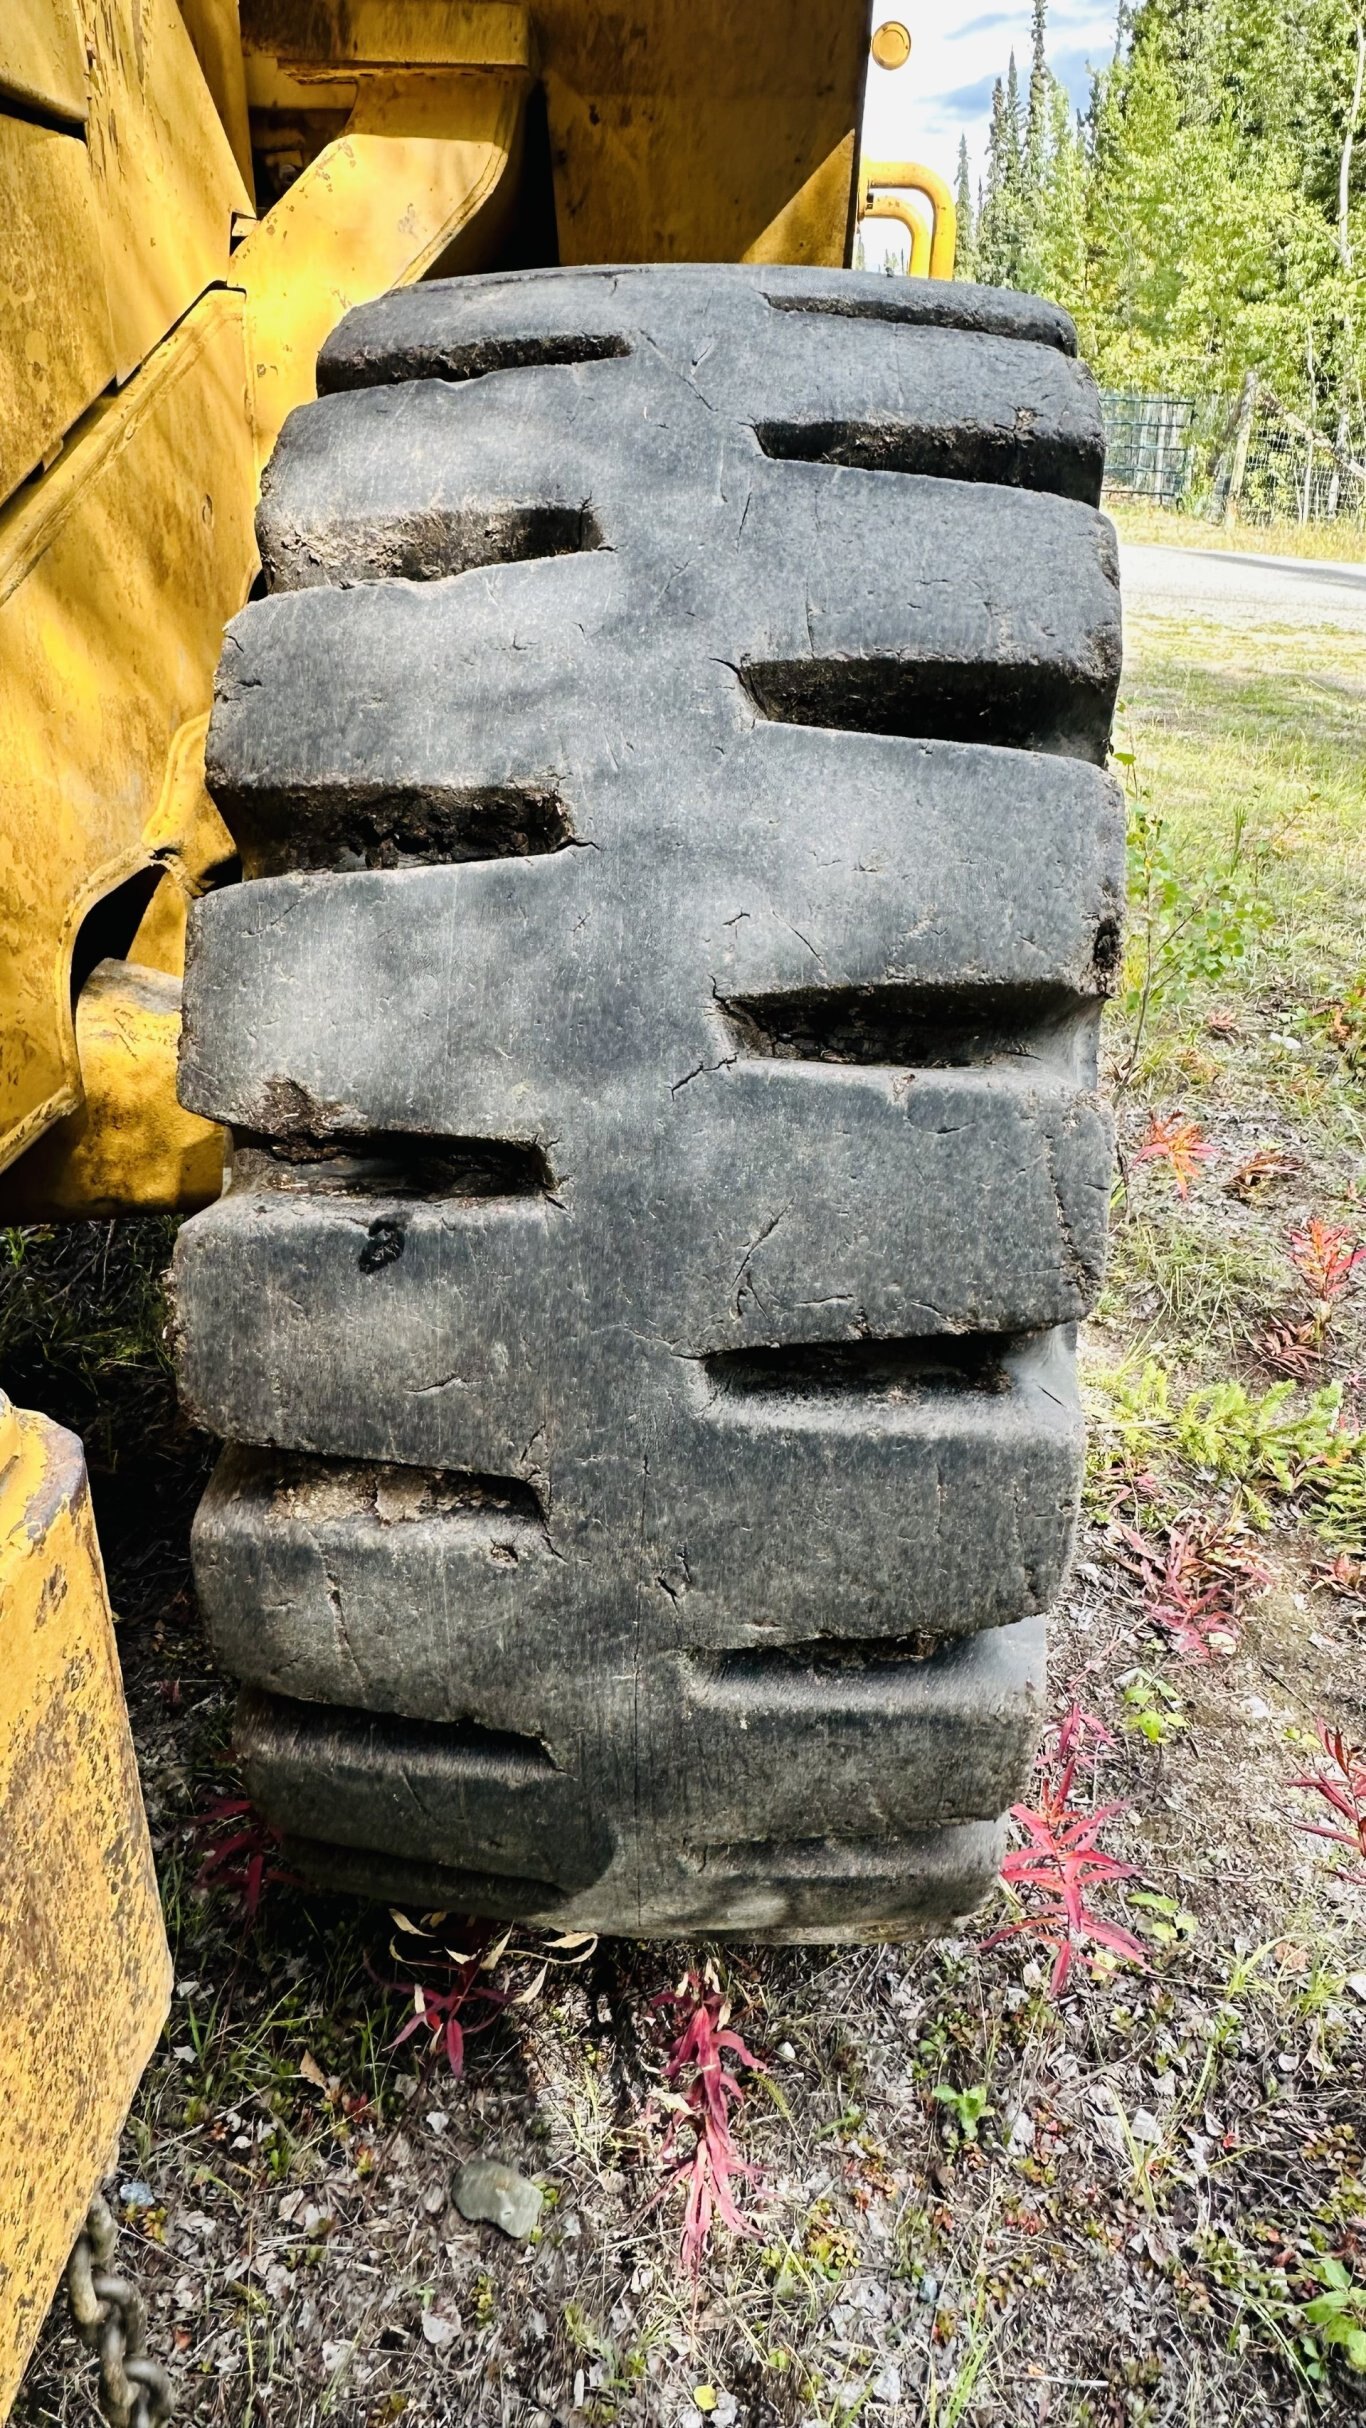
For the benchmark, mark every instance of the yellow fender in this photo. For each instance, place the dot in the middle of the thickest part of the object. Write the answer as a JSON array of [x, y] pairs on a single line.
[[85, 1973]]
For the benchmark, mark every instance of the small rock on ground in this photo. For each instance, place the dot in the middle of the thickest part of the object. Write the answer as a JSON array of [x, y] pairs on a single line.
[[485, 2189]]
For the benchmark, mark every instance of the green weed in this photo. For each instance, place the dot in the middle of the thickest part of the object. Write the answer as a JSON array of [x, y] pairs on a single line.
[[1192, 916], [967, 2107], [1307, 2306], [1152, 1708], [1281, 1443]]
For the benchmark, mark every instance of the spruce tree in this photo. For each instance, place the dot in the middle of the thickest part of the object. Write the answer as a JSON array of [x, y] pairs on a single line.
[[1036, 118], [965, 259], [1013, 162], [989, 251], [1001, 230], [1060, 242]]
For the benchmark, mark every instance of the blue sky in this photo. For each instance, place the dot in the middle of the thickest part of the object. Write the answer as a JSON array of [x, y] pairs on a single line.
[[958, 50]]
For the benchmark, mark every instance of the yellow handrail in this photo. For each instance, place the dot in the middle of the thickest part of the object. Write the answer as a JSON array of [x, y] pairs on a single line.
[[886, 206], [879, 178]]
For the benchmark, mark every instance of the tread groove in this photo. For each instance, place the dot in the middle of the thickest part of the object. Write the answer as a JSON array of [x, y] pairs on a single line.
[[935, 1365], [338, 828], [430, 1169], [817, 1860], [913, 1027], [443, 543], [997, 458], [1022, 707], [987, 311], [445, 1746], [822, 1664], [386, 1879], [475, 359], [323, 1490]]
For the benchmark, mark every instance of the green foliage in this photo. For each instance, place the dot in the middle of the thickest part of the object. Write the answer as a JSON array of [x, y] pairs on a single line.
[[1338, 2314], [1152, 1709], [1279, 1442], [1001, 234], [1309, 2308], [967, 2107], [1241, 1438], [1190, 920], [1338, 1512], [1164, 1920], [965, 259], [1191, 223]]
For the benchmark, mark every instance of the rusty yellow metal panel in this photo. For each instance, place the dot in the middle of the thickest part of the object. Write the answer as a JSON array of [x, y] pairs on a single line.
[[215, 31], [84, 1967], [118, 571], [42, 58], [421, 175], [185, 833], [391, 33], [812, 226], [129, 1144], [682, 130], [53, 360], [167, 181]]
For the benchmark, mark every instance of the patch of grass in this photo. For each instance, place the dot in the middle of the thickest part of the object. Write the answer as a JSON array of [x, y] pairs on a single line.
[[1180, 1270], [1342, 543], [1248, 855]]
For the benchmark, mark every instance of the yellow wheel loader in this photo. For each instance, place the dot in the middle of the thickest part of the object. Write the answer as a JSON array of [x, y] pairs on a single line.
[[516, 470]]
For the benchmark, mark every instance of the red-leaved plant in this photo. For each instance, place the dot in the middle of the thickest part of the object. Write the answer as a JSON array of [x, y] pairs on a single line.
[[1340, 1779], [1327, 1259], [1179, 1145], [699, 2150], [241, 1852], [1192, 1582], [464, 1997], [1054, 1873], [467, 2001]]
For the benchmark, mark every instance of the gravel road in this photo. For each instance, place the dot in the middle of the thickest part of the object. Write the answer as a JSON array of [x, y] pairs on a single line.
[[1228, 587]]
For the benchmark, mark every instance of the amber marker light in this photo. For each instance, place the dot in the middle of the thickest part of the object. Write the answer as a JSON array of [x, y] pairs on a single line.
[[891, 45]]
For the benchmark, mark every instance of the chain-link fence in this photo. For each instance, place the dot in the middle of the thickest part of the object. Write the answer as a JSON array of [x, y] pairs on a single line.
[[1242, 458], [1152, 446]]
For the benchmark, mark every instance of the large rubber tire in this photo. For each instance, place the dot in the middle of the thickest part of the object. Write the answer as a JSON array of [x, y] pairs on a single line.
[[659, 1034]]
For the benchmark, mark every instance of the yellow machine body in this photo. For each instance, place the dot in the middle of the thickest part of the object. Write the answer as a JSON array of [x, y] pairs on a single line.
[[84, 1971]]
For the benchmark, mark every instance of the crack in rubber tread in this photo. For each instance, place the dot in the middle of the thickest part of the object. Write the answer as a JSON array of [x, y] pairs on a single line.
[[763, 1372]]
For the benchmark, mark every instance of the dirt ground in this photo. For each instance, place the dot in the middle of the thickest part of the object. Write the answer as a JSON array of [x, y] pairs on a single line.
[[1139, 2201]]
